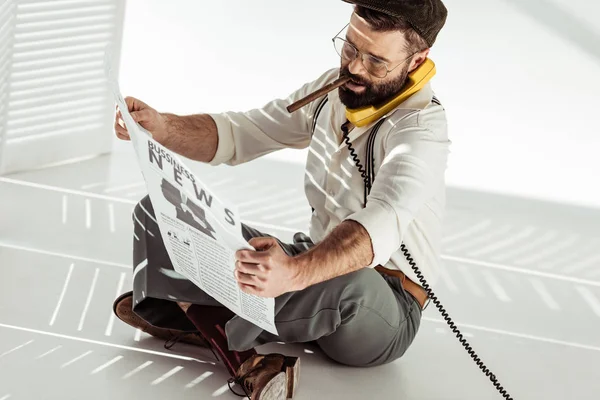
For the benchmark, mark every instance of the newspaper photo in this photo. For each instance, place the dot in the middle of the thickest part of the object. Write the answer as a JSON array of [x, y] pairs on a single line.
[[201, 232]]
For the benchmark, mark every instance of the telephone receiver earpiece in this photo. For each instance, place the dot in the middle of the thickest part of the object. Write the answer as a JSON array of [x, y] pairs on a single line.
[[416, 81]]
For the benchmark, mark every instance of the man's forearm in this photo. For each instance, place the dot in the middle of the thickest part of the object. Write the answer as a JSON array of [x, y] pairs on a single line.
[[192, 136], [346, 249]]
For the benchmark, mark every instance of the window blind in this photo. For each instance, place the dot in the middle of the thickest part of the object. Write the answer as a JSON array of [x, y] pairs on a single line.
[[57, 104]]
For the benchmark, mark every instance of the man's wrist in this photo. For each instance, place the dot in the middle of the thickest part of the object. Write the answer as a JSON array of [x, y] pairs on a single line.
[[169, 120], [302, 267]]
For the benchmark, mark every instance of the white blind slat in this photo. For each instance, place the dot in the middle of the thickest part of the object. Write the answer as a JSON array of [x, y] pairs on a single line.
[[81, 129], [41, 33], [45, 119], [27, 84], [55, 97], [25, 17], [56, 107], [67, 23], [32, 94], [60, 43], [50, 53], [52, 72], [57, 61], [64, 124], [44, 6]]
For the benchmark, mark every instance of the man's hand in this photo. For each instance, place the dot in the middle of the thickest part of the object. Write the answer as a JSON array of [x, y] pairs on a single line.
[[192, 136], [153, 121], [267, 272]]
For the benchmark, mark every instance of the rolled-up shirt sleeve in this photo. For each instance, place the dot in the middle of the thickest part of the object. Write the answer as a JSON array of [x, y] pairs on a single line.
[[413, 168], [244, 136]]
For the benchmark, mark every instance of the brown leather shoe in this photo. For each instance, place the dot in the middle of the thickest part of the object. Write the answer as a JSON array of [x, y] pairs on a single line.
[[123, 309], [256, 375]]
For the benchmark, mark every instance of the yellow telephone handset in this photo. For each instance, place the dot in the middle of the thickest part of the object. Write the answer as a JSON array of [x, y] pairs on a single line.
[[416, 81]]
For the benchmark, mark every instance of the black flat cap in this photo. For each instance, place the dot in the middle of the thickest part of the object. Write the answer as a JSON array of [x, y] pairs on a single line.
[[427, 17]]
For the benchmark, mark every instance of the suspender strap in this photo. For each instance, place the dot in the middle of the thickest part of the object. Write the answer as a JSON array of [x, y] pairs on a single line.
[[370, 169], [317, 112], [371, 158]]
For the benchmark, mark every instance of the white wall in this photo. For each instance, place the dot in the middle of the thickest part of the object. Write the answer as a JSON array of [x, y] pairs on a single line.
[[521, 95]]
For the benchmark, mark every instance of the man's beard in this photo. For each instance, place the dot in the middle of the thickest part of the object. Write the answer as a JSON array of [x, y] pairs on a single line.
[[373, 94]]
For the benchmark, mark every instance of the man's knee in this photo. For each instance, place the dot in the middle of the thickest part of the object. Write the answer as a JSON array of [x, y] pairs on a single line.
[[353, 354], [370, 325], [340, 353]]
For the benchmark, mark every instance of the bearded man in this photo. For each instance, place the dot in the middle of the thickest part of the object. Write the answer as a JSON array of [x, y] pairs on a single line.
[[377, 192]]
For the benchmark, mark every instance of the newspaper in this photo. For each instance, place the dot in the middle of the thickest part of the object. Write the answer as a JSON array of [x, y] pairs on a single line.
[[201, 232]]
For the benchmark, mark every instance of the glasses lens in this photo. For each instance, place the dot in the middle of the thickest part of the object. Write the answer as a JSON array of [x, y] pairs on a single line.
[[344, 49], [375, 66], [348, 52]]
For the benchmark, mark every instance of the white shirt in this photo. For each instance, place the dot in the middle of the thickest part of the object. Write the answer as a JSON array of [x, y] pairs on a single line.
[[407, 199]]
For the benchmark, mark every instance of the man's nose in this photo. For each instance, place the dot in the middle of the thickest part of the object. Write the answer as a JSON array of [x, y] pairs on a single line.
[[356, 67]]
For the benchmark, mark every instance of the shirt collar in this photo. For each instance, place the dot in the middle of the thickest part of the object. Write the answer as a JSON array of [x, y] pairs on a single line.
[[418, 101]]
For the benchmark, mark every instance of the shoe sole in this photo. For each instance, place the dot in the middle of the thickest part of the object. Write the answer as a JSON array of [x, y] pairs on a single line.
[[291, 367], [275, 389], [122, 307]]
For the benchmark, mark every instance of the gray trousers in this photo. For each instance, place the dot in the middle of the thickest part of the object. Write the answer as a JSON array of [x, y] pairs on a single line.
[[360, 319]]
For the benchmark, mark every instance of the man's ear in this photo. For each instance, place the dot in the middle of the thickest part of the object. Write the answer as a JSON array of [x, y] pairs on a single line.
[[418, 59]]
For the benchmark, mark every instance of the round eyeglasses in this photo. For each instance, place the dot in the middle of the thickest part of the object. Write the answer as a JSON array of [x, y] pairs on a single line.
[[374, 65]]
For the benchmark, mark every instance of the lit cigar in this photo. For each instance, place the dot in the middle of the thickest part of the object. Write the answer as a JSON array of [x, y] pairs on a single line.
[[313, 96]]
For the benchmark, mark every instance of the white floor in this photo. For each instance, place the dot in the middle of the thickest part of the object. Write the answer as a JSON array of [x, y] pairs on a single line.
[[522, 281]]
